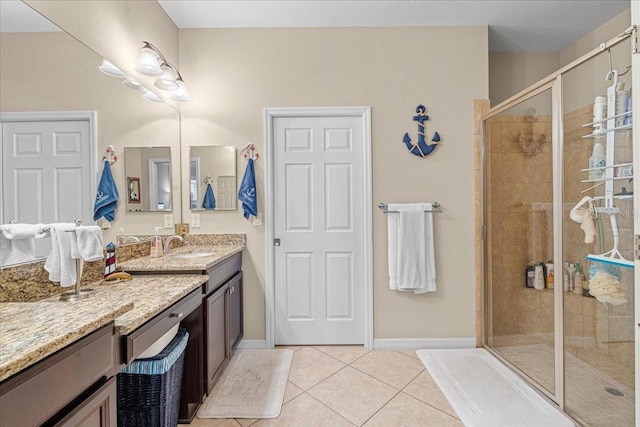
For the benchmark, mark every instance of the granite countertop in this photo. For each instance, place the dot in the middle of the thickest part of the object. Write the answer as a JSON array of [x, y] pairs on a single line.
[[169, 262], [31, 331]]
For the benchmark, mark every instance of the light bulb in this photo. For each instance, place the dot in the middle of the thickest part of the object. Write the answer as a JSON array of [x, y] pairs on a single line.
[[167, 81], [148, 62]]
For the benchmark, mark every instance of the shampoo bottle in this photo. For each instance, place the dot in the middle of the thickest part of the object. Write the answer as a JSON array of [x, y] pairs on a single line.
[[538, 281], [156, 245], [578, 278], [549, 278], [597, 160]]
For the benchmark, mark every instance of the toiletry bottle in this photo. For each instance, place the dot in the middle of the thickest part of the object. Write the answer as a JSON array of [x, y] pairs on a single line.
[[621, 103], [565, 277], [549, 278], [578, 278], [529, 276], [156, 245], [585, 287], [571, 269], [597, 160], [121, 237], [599, 113], [538, 281]]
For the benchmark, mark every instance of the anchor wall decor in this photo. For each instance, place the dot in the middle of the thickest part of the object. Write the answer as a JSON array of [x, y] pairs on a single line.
[[421, 148]]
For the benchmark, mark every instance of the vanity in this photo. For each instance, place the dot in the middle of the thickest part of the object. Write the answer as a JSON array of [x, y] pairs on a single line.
[[222, 311]]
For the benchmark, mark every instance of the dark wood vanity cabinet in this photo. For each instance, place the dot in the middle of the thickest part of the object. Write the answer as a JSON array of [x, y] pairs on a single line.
[[223, 316], [73, 387]]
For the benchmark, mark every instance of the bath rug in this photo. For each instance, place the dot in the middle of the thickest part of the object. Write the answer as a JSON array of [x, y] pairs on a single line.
[[251, 386], [485, 393]]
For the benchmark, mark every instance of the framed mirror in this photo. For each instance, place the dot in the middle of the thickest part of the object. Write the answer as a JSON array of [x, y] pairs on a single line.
[[148, 179], [212, 178]]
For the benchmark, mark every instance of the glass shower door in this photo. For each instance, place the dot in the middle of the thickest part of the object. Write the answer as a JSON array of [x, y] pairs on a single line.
[[520, 238], [598, 309]]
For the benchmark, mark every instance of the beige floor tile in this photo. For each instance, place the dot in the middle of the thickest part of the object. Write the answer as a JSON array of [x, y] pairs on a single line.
[[306, 411], [424, 388], [389, 366], [212, 422], [311, 366], [344, 353], [352, 394], [291, 392], [410, 353], [291, 347], [404, 410]]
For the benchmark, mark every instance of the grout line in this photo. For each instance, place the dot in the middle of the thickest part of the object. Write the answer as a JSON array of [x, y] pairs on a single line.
[[323, 404]]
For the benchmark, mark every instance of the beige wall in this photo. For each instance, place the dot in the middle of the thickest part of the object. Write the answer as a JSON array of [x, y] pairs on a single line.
[[234, 74], [511, 72]]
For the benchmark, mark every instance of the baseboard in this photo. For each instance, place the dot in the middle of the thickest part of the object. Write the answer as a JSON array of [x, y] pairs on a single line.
[[411, 343], [250, 344]]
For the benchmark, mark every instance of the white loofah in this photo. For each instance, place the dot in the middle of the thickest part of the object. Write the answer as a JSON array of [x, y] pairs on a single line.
[[607, 289]]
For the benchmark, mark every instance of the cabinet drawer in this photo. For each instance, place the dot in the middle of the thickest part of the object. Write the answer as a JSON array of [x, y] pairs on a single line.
[[39, 392], [222, 272], [139, 340]]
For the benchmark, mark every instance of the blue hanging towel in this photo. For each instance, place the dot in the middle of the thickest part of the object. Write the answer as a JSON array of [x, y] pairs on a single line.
[[209, 201], [247, 193], [106, 197]]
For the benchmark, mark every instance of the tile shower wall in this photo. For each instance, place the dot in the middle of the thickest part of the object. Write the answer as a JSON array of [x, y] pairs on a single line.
[[519, 221], [519, 202]]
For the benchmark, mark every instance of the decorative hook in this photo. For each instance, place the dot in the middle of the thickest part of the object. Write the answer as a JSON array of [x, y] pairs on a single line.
[[207, 179], [249, 152], [110, 155]]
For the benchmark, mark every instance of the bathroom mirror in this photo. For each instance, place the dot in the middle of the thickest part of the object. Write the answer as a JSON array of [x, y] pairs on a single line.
[[148, 179], [49, 70], [212, 178]]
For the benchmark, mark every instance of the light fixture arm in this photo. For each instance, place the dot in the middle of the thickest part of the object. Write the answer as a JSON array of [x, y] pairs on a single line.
[[163, 60]]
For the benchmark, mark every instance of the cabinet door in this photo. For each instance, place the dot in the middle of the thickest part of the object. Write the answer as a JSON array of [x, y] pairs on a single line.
[[217, 353], [98, 410], [235, 311]]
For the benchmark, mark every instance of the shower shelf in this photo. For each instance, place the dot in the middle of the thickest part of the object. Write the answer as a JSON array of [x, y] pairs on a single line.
[[618, 197], [615, 178], [619, 165], [603, 133], [607, 119]]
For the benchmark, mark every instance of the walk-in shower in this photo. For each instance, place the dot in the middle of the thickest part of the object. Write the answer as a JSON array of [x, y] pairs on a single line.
[[557, 193]]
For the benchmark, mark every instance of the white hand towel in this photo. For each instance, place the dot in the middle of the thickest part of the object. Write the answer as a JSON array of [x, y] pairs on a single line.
[[60, 264], [87, 244], [411, 249], [17, 242]]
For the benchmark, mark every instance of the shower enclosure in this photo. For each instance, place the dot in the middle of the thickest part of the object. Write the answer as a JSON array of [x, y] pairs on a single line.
[[559, 193]]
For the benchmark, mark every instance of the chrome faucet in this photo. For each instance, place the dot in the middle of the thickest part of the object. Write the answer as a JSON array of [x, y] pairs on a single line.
[[171, 238]]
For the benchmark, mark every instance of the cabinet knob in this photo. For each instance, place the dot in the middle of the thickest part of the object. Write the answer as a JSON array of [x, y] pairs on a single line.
[[176, 315]]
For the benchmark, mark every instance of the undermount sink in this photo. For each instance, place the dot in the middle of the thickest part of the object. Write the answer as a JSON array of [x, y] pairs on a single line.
[[189, 255]]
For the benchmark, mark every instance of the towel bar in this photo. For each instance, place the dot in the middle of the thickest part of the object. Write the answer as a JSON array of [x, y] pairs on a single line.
[[436, 208]]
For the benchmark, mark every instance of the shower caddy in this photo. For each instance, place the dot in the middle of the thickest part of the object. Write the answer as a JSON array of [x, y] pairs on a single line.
[[613, 256]]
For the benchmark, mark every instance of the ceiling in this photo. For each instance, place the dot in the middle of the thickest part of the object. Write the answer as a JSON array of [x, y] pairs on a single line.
[[514, 25]]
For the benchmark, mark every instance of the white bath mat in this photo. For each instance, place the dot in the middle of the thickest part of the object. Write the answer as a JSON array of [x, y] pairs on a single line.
[[484, 392], [251, 386]]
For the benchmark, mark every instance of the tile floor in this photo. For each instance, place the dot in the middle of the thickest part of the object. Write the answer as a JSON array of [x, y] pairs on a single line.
[[351, 386]]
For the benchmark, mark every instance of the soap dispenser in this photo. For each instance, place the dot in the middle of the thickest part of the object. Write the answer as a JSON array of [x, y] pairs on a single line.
[[156, 244]]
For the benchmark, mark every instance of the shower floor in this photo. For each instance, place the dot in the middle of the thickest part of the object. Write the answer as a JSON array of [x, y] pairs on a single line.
[[585, 385]]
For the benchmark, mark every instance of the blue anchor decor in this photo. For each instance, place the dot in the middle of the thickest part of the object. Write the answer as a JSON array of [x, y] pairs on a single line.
[[421, 149]]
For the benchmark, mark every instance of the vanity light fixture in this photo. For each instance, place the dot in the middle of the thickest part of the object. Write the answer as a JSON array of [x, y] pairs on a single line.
[[110, 69], [133, 84], [152, 62]]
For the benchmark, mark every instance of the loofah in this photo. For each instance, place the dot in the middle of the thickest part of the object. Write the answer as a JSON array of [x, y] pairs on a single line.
[[607, 289]]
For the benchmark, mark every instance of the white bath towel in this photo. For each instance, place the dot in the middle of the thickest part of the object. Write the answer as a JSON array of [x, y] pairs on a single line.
[[17, 243], [60, 264], [87, 244], [411, 248]]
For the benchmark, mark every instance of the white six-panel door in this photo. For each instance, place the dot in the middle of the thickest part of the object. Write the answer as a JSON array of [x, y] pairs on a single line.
[[318, 207], [46, 173]]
